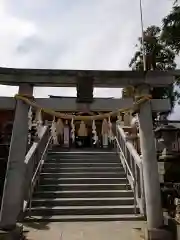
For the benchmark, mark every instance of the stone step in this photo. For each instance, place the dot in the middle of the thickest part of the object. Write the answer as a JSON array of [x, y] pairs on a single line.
[[86, 154], [85, 218], [86, 180], [83, 210], [84, 164], [74, 187], [82, 160], [83, 193], [82, 169], [82, 202], [83, 174], [83, 153], [77, 186]]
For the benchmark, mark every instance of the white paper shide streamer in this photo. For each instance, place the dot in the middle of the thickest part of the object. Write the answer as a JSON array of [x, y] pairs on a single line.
[[39, 122], [95, 137], [54, 133], [30, 124], [72, 130], [110, 135]]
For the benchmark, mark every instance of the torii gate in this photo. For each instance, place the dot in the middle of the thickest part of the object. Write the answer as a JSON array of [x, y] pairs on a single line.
[[26, 79]]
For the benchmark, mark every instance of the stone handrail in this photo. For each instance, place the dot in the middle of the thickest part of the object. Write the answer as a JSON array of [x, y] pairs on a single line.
[[130, 146], [132, 164], [34, 161]]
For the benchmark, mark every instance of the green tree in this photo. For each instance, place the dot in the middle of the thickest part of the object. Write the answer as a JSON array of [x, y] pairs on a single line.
[[128, 92], [171, 28], [158, 57]]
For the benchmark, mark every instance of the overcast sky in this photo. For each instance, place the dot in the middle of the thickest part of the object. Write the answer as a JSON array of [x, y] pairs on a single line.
[[73, 34]]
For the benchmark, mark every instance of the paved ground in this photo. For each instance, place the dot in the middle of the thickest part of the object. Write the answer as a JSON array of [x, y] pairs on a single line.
[[86, 231]]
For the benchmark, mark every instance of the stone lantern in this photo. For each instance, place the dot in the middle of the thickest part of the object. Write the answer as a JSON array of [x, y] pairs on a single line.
[[168, 157], [166, 135]]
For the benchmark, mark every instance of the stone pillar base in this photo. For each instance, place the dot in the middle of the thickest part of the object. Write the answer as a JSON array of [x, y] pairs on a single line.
[[158, 234], [15, 234]]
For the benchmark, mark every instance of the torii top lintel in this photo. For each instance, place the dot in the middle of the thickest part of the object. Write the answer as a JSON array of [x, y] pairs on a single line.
[[102, 78]]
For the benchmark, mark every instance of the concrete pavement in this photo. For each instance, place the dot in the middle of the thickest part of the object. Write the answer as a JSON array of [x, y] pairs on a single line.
[[85, 231]]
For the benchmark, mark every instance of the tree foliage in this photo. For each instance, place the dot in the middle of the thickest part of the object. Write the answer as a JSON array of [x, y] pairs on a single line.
[[128, 92], [171, 28], [158, 56]]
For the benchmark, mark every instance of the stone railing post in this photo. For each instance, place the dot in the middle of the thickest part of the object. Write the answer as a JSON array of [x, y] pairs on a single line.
[[12, 201], [127, 119]]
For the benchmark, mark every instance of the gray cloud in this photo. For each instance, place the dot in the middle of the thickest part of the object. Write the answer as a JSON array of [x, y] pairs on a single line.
[[96, 34], [76, 34], [29, 44]]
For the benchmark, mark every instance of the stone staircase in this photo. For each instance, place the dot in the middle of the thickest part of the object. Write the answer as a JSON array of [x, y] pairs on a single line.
[[83, 186]]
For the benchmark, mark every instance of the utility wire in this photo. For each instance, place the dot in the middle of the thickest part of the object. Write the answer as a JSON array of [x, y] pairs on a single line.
[[142, 30]]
